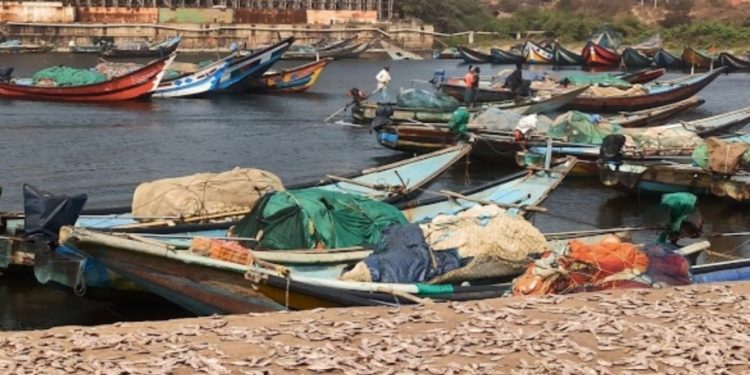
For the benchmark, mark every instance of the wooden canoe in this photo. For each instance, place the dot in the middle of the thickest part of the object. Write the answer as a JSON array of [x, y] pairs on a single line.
[[162, 49], [292, 80], [596, 55], [634, 59], [733, 63], [474, 57], [536, 54], [500, 56], [642, 76], [364, 113], [208, 286], [659, 94], [565, 57], [697, 60], [137, 84], [501, 146], [664, 59]]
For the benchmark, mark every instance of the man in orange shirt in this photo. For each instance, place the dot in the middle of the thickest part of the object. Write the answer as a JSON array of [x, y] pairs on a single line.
[[468, 82]]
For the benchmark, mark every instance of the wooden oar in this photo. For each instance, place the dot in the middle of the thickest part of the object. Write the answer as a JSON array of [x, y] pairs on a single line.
[[486, 202], [347, 107]]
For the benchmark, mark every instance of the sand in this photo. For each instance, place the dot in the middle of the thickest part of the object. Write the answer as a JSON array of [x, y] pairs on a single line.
[[696, 329]]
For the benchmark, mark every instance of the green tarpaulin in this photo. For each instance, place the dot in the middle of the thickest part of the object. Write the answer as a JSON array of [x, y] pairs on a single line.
[[65, 76], [316, 218], [578, 127], [459, 122]]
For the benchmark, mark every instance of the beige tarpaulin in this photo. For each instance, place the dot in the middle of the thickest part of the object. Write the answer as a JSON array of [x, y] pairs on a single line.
[[203, 193], [724, 157]]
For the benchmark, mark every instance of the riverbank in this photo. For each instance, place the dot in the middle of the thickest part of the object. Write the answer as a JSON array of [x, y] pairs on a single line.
[[695, 329]]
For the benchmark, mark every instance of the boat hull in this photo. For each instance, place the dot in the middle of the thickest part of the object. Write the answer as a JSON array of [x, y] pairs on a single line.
[[474, 57], [634, 59], [664, 59], [196, 84], [536, 54], [732, 62], [596, 55], [243, 69], [504, 57], [137, 84], [696, 60], [298, 79], [564, 57], [159, 52]]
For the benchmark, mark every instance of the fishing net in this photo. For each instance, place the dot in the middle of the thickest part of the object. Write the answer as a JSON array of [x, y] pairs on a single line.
[[605, 92], [63, 76], [579, 127], [609, 264], [582, 79], [417, 98], [723, 155], [663, 141], [316, 219], [459, 120], [113, 70], [203, 194]]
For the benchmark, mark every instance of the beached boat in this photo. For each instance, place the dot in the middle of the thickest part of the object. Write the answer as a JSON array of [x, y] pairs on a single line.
[[697, 60], [243, 67], [650, 46], [631, 58], [500, 56], [144, 50], [565, 57], [323, 46], [364, 112], [664, 59], [137, 84], [195, 84], [206, 286], [474, 57], [346, 51], [502, 146], [86, 49], [667, 177], [296, 79], [656, 94], [594, 54], [732, 62], [16, 46], [536, 54], [642, 76]]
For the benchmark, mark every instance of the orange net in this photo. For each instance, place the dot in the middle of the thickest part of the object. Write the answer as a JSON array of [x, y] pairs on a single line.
[[221, 250]]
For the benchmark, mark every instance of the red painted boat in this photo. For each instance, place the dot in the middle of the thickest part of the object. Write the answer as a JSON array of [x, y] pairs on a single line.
[[137, 84], [594, 54], [643, 76]]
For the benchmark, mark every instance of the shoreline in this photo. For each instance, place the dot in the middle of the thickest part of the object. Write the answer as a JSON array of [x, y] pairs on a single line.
[[691, 329]]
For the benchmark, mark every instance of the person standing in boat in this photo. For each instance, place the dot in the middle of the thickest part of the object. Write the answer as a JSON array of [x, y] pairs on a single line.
[[514, 82], [468, 82], [474, 88], [384, 79]]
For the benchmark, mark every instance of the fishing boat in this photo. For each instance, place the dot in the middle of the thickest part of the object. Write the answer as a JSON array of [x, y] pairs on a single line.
[[650, 46], [667, 176], [352, 50], [138, 50], [631, 58], [536, 54], [137, 84], [503, 146], [697, 60], [86, 49], [16, 46], [323, 46], [656, 94], [596, 55], [500, 56], [207, 286], [642, 76], [449, 53], [732, 62], [664, 59], [296, 79], [565, 57], [474, 57], [364, 112], [243, 67], [195, 84]]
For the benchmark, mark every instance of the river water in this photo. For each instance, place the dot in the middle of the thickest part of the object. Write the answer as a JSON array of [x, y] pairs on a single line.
[[106, 150]]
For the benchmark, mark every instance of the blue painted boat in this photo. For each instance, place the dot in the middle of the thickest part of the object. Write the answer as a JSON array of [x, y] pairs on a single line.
[[206, 286], [194, 84], [243, 67]]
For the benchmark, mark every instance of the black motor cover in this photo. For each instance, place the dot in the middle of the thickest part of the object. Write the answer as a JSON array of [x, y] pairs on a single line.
[[45, 213]]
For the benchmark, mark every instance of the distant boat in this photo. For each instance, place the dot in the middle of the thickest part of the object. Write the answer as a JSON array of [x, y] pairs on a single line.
[[697, 60], [474, 57], [16, 46], [296, 79], [536, 54], [664, 59], [631, 58], [563, 56], [500, 56], [732, 62], [143, 49], [594, 54]]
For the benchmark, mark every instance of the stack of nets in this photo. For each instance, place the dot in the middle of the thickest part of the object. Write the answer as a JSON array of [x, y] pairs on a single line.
[[63, 76], [663, 141], [610, 264], [113, 70], [416, 98], [579, 127], [724, 155], [606, 92]]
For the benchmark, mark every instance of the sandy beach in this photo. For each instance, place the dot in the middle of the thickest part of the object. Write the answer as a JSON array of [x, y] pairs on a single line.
[[695, 329]]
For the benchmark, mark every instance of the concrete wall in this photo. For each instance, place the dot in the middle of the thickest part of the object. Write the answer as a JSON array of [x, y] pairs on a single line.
[[196, 15], [327, 17], [29, 11], [118, 15]]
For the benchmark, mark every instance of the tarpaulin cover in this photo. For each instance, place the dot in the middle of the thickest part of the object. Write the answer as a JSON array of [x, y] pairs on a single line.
[[402, 256], [64, 76], [579, 127], [459, 120], [417, 98], [723, 155], [606, 79], [664, 140], [497, 119], [316, 218], [610, 264], [46, 213]]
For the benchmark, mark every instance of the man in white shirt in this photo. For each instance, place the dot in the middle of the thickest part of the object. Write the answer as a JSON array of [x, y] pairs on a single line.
[[384, 79]]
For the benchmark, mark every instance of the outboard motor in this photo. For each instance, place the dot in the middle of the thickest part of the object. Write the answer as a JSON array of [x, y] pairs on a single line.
[[5, 73], [382, 117], [610, 151], [46, 213], [438, 77]]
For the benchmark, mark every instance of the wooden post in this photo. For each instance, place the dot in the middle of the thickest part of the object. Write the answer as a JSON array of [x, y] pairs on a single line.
[[471, 37]]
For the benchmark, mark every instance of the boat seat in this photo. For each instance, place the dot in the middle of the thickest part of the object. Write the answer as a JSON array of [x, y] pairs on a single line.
[[5, 73]]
